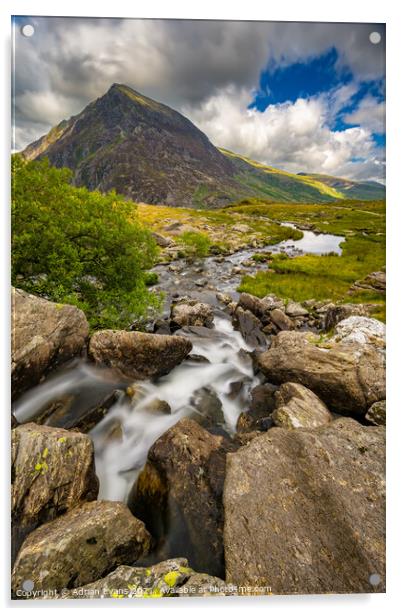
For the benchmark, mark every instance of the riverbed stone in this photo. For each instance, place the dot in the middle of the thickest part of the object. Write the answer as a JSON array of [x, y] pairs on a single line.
[[281, 320], [294, 309], [179, 494], [191, 312], [53, 471], [44, 335], [347, 376], [299, 407], [170, 578], [80, 546], [305, 510], [377, 413], [137, 355], [338, 312], [260, 308], [250, 327]]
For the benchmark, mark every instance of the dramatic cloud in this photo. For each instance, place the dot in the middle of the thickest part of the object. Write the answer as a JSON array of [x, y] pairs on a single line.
[[292, 136], [191, 65]]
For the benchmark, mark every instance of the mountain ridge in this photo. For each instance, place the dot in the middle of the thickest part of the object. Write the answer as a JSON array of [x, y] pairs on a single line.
[[151, 153]]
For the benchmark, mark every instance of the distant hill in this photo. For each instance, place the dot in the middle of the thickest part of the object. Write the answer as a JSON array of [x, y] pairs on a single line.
[[153, 154]]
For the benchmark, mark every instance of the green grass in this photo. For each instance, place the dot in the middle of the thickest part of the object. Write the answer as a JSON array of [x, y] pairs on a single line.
[[330, 276]]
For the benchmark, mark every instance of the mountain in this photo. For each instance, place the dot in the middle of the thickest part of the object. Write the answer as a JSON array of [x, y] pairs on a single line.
[[153, 154], [350, 189]]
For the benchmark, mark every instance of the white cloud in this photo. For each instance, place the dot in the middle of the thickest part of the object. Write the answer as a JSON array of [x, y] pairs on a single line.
[[370, 114], [292, 136]]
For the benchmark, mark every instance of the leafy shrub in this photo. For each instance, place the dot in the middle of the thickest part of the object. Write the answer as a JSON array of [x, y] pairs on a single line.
[[151, 278], [74, 246], [196, 245]]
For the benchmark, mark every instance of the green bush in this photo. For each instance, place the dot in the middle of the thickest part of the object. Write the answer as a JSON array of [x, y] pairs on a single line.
[[196, 245], [151, 278], [79, 247]]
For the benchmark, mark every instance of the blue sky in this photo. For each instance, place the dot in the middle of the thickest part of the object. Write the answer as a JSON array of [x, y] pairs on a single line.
[[298, 96]]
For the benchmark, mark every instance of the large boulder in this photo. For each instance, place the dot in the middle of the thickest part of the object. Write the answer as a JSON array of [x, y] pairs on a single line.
[[170, 578], [179, 494], [80, 547], [299, 407], [191, 312], [347, 375], [361, 330], [137, 355], [305, 510], [53, 471], [43, 335]]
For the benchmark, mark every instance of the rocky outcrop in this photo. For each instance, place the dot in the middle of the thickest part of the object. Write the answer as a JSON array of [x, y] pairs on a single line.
[[346, 375], [44, 335], [377, 413], [170, 578], [80, 547], [376, 281], [179, 494], [136, 355], [299, 407], [305, 510], [361, 330], [338, 312], [250, 327], [53, 471], [191, 312]]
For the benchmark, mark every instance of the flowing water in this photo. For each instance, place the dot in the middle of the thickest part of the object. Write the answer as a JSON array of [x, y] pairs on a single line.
[[218, 376], [122, 439]]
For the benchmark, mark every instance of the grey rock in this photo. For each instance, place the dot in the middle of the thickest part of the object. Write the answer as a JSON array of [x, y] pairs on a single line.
[[377, 413], [298, 407]]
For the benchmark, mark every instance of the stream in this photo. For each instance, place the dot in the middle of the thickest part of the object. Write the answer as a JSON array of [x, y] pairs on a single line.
[[211, 386]]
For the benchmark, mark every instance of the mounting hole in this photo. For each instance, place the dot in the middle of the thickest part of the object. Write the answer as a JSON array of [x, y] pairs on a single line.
[[375, 38], [375, 579], [28, 30]]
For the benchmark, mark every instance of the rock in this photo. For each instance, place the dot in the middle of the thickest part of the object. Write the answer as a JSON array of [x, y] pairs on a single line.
[[191, 312], [170, 578], [161, 240], [60, 414], [294, 309], [157, 406], [376, 281], [281, 320], [224, 298], [136, 355], [361, 330], [179, 494], [44, 335], [260, 408], [298, 407], [161, 326], [260, 308], [347, 377], [305, 510], [80, 546], [338, 312], [377, 413], [209, 408], [53, 471], [249, 327]]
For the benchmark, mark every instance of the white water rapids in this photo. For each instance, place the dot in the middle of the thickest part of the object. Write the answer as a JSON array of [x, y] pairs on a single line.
[[118, 461]]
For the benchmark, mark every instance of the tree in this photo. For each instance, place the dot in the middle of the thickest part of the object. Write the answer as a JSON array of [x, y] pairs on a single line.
[[75, 246]]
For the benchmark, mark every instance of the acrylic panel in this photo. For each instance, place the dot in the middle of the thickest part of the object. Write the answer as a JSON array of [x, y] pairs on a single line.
[[198, 294]]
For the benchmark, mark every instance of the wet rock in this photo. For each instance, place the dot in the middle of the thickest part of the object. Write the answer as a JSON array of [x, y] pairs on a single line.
[[263, 398], [137, 355], [249, 327], [157, 407], [191, 312], [161, 326], [170, 578], [338, 312], [261, 405], [298, 407], [44, 335], [281, 320], [361, 330], [224, 298], [59, 414], [377, 413], [324, 491], [294, 309], [80, 547], [53, 471], [209, 411], [179, 494], [348, 377]]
